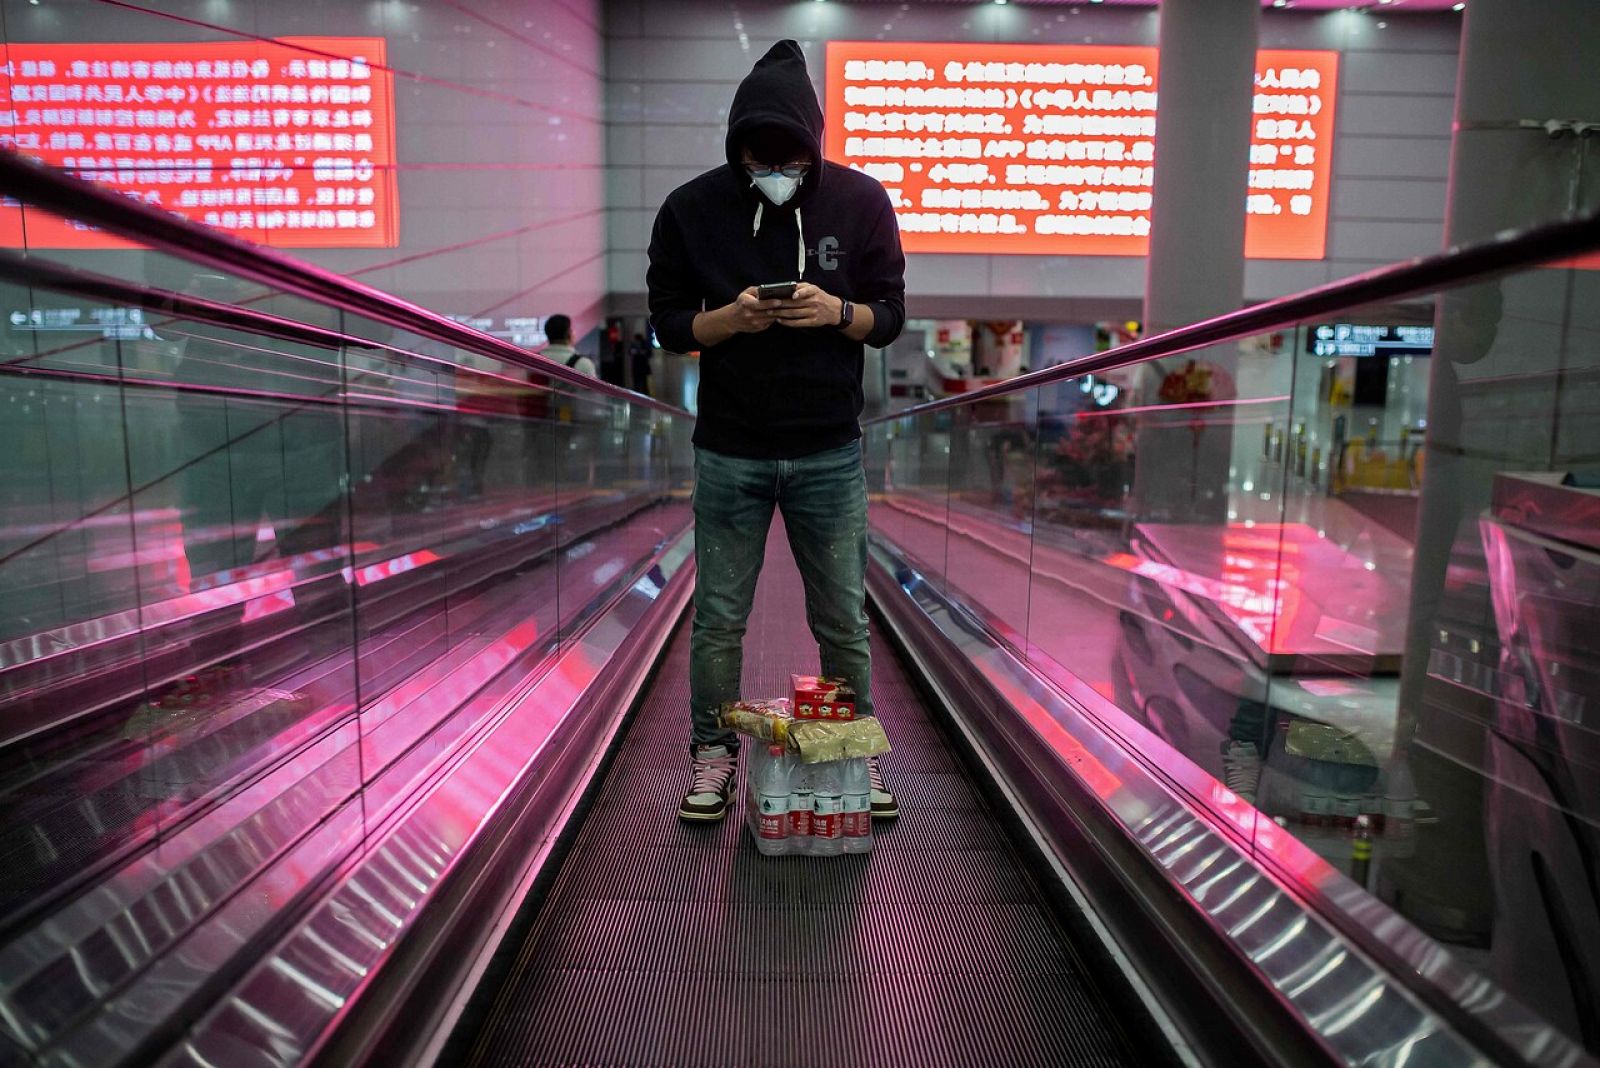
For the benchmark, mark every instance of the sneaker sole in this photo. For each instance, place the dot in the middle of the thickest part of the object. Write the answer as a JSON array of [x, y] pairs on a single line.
[[888, 814], [702, 817]]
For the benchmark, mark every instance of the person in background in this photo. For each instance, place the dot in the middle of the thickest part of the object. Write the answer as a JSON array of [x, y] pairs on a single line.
[[558, 328], [780, 388], [639, 357]]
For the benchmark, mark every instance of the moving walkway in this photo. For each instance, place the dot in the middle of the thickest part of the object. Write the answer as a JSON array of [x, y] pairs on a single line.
[[380, 762]]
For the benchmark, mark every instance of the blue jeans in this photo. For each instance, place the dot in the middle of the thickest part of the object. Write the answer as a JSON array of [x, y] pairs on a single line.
[[823, 498]]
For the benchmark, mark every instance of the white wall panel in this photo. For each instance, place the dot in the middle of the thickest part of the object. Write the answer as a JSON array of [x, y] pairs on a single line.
[[1392, 198], [1382, 242], [1420, 72], [1391, 157], [1395, 115]]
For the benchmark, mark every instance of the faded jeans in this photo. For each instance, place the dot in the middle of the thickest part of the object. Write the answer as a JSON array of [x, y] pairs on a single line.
[[823, 499]]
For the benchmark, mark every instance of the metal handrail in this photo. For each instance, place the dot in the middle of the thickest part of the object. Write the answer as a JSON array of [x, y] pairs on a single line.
[[1504, 253], [34, 183]]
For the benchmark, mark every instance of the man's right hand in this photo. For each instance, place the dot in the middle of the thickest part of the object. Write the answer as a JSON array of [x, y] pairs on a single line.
[[746, 315]]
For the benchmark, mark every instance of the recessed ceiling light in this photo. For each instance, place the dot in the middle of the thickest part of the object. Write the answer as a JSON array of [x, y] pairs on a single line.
[[1280, 3], [1459, 7]]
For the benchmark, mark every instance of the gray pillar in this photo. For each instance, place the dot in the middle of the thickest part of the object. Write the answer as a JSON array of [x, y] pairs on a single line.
[[1196, 264], [1512, 388]]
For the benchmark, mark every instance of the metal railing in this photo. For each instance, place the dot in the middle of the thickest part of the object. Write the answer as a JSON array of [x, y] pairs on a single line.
[[1509, 252]]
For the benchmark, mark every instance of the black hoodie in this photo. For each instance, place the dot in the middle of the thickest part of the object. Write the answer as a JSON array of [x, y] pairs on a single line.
[[784, 392]]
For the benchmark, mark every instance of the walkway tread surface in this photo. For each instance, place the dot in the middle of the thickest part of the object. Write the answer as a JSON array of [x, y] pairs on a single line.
[[664, 944]]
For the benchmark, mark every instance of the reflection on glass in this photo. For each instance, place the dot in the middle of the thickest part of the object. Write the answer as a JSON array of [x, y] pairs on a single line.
[[246, 575], [1346, 576], [988, 554], [1498, 683], [915, 495]]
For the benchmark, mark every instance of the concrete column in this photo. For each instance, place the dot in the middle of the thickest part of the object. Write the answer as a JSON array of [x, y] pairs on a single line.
[[1196, 264], [1512, 387]]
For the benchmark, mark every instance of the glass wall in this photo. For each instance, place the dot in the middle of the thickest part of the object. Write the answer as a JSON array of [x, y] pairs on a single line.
[[259, 578], [1301, 645]]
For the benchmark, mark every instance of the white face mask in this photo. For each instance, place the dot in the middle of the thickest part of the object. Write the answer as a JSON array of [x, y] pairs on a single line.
[[777, 188]]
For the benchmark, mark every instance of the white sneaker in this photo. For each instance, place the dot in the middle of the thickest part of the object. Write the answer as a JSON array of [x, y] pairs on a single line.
[[714, 771], [1241, 769], [884, 806]]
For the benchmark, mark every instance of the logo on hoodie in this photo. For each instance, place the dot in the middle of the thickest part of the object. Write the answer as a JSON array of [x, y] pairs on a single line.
[[828, 253]]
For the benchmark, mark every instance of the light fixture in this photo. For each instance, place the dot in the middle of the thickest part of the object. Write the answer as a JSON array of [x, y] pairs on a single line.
[[1280, 3], [1459, 7], [1000, 3]]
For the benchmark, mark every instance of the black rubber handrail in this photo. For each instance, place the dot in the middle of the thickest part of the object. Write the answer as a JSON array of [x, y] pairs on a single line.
[[31, 271], [35, 184], [1507, 252]]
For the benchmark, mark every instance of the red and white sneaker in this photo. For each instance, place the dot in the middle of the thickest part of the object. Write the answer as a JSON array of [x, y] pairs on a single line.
[[715, 768]]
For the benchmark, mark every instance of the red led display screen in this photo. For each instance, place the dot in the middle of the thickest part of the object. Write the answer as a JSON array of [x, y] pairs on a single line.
[[1049, 149], [287, 142]]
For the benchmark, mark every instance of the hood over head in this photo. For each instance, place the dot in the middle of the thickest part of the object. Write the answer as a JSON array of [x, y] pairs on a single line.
[[778, 93]]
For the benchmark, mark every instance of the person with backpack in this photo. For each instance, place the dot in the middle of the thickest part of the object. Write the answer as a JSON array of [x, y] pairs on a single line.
[[558, 328]]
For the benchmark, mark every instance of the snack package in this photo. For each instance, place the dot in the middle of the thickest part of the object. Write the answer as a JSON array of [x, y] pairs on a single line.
[[815, 741], [822, 697], [767, 720]]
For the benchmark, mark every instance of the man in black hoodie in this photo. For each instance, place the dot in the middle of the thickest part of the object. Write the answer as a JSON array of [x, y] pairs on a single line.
[[780, 387]]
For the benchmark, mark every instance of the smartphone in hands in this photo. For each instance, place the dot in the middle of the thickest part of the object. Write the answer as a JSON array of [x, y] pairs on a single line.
[[776, 290]]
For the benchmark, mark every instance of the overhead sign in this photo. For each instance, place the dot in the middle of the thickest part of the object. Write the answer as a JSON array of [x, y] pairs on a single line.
[[1050, 149], [287, 142], [1354, 339]]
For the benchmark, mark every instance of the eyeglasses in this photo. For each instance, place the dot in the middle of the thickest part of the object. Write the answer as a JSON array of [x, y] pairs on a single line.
[[788, 170]]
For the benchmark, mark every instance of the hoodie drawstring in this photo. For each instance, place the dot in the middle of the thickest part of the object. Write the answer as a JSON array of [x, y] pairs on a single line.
[[800, 238]]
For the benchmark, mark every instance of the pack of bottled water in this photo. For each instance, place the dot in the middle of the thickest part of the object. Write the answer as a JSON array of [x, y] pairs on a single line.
[[822, 809]]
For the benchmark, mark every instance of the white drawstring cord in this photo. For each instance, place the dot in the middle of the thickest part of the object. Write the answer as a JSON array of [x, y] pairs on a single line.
[[800, 235]]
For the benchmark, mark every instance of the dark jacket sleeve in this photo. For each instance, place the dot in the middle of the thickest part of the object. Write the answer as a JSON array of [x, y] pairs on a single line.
[[674, 298], [882, 283]]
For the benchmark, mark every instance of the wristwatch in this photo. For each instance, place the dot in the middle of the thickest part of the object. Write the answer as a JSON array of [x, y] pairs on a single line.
[[847, 314]]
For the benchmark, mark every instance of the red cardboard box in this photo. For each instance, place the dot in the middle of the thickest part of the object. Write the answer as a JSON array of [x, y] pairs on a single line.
[[822, 697]]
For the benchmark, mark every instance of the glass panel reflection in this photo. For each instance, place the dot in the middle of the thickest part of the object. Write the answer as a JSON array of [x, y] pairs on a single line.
[[989, 550], [1343, 576]]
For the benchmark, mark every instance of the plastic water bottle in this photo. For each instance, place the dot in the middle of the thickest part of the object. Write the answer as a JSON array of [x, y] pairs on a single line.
[[857, 807], [802, 807], [772, 804], [827, 822]]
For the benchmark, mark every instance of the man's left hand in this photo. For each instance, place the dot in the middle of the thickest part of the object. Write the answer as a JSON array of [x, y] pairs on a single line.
[[810, 306]]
